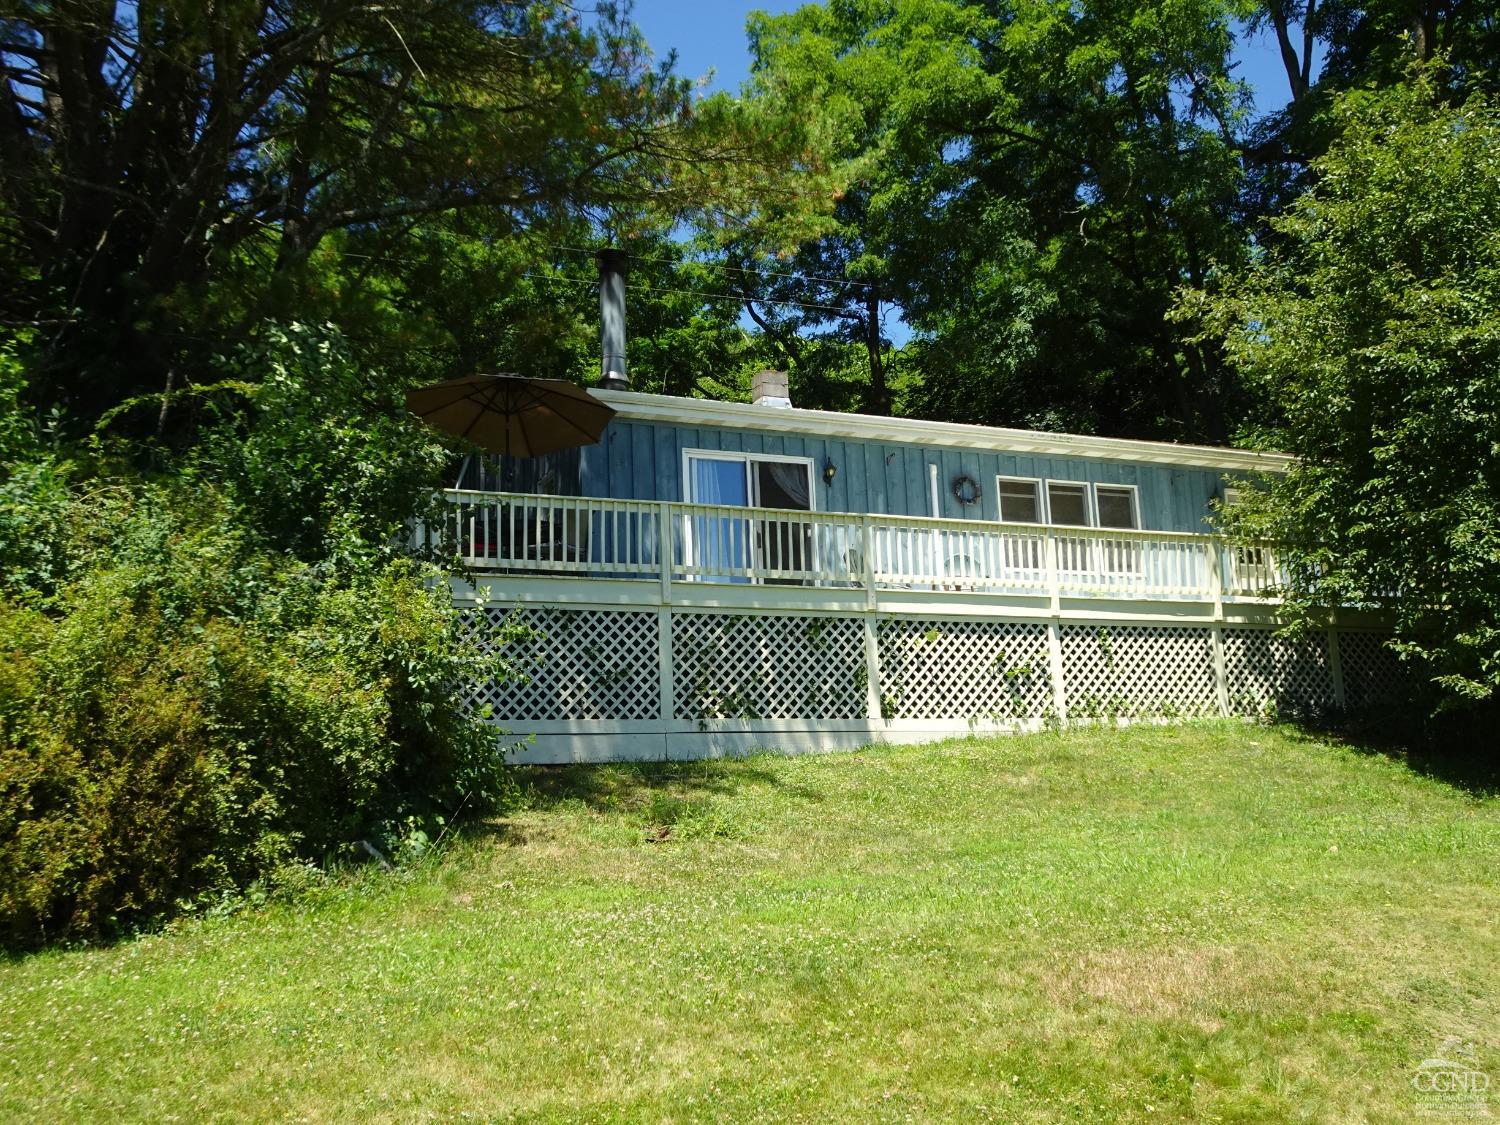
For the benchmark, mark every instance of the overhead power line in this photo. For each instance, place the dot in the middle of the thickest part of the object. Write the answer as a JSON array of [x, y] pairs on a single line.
[[723, 266], [676, 262], [735, 297]]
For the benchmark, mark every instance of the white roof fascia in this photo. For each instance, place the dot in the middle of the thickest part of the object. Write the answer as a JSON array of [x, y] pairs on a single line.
[[633, 406]]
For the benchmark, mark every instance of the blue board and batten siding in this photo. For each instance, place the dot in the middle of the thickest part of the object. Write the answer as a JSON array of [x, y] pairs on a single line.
[[643, 461]]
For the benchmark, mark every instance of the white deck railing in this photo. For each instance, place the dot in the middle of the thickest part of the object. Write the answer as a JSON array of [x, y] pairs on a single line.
[[579, 536]]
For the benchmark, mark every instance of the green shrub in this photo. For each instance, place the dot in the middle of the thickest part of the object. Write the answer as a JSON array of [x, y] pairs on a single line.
[[321, 458], [177, 729], [229, 669]]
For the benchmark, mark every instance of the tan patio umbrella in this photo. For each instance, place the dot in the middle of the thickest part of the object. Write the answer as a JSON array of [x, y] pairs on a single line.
[[512, 415]]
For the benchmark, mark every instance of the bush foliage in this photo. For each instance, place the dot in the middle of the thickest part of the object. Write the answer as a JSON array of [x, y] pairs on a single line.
[[214, 675], [1373, 324]]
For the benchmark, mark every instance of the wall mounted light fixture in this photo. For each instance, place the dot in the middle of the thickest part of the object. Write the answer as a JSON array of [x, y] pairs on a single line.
[[830, 470]]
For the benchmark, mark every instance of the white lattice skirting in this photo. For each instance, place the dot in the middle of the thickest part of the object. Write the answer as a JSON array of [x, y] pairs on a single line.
[[962, 670], [600, 684]]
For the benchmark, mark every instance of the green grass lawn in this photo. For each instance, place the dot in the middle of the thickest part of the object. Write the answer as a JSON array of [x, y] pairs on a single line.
[[1219, 922]]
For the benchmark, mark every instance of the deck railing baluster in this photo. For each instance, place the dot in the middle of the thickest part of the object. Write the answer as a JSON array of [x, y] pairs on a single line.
[[630, 538]]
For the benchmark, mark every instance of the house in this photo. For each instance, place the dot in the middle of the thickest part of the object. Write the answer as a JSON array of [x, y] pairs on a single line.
[[717, 577]]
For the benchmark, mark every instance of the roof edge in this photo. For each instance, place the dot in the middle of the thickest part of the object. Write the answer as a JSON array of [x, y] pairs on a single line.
[[636, 406]]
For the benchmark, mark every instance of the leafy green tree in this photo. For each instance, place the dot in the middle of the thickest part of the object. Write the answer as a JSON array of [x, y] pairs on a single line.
[[685, 333], [1373, 325], [1377, 42], [465, 303], [174, 172], [1327, 46], [819, 312], [1030, 182]]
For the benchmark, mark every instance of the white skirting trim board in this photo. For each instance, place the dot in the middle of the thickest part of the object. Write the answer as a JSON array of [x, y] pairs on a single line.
[[687, 744]]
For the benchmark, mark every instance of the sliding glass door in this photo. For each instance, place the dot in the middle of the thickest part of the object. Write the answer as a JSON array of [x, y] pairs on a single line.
[[729, 548]]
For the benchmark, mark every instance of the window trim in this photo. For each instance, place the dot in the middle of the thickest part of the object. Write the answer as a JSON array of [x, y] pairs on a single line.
[[1037, 491], [1135, 504], [1088, 501]]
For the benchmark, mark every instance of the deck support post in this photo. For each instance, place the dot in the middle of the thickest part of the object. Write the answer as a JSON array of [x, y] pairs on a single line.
[[664, 551], [668, 680], [1336, 667], [1054, 631], [874, 709], [1216, 630], [1221, 675], [867, 560], [1055, 661]]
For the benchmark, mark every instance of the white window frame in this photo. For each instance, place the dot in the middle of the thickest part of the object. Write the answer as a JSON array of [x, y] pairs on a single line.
[[1135, 504], [1114, 556], [1043, 488], [1088, 501], [1075, 557], [1089, 556], [1041, 498], [1252, 566]]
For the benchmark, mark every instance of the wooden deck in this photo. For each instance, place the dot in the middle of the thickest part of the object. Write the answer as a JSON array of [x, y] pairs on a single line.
[[685, 630]]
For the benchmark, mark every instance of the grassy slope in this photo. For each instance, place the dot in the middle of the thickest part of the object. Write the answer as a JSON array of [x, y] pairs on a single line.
[[1212, 922]]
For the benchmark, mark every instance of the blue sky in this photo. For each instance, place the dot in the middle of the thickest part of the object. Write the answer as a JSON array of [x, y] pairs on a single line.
[[710, 35], [707, 34]]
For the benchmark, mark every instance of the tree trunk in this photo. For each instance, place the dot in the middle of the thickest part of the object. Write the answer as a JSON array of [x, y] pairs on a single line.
[[1295, 72]]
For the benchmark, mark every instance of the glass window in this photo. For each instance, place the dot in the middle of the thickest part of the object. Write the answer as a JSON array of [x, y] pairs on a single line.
[[1068, 503], [1020, 501], [1116, 506], [783, 484], [718, 481], [719, 546]]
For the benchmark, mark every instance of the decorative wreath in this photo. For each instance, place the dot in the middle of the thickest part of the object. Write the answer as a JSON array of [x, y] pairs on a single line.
[[966, 489]]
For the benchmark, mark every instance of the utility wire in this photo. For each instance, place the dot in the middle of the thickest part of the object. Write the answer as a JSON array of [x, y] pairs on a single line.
[[719, 266], [737, 298], [674, 262]]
